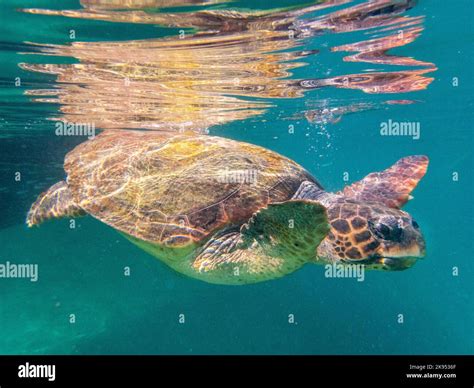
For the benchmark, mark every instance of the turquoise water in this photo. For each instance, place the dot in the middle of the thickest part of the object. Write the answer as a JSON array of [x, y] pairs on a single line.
[[266, 100]]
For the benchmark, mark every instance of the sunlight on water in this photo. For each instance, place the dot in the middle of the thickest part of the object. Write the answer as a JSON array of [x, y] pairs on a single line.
[[198, 79]]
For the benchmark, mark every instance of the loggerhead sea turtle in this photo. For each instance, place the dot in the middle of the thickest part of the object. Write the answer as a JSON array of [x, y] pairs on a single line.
[[229, 212]]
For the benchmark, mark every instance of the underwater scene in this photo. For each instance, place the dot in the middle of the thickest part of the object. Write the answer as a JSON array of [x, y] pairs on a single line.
[[236, 177]]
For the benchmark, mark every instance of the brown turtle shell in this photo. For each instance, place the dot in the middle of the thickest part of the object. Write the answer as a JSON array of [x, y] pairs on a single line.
[[176, 189]]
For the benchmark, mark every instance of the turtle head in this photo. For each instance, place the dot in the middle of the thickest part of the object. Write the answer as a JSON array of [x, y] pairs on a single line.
[[367, 225], [371, 234]]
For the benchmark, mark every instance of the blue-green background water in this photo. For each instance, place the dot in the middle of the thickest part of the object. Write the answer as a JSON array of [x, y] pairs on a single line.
[[82, 269]]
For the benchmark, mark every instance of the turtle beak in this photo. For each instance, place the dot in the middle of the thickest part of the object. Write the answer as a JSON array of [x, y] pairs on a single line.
[[402, 251], [403, 256], [416, 248], [396, 264]]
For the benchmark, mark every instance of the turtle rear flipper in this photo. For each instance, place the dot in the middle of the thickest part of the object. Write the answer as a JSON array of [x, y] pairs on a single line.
[[56, 202], [276, 241]]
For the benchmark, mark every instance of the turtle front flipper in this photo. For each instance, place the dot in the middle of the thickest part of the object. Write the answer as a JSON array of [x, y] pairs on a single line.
[[393, 186], [276, 241], [55, 202]]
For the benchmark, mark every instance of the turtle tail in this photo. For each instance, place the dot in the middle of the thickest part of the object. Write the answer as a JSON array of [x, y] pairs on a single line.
[[55, 202]]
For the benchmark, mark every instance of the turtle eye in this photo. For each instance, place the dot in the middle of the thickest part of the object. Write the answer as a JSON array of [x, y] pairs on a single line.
[[382, 231], [388, 232], [415, 224]]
